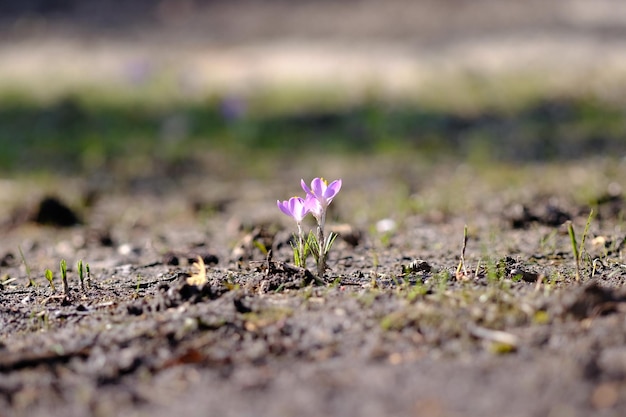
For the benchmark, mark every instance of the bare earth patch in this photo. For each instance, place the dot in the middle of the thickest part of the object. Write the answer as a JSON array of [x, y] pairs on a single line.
[[396, 330]]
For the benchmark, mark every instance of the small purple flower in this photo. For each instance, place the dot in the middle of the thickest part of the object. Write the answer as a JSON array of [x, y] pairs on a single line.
[[139, 72], [316, 201], [295, 207], [314, 206], [232, 108], [322, 191]]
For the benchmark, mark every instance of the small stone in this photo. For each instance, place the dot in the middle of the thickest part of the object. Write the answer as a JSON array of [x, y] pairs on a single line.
[[604, 396]]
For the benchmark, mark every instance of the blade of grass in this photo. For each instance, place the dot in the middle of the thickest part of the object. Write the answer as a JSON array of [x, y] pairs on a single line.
[[581, 249], [66, 288], [31, 282], [81, 274], [572, 236]]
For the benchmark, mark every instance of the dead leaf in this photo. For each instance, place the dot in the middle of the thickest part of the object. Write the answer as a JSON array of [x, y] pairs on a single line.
[[198, 278]]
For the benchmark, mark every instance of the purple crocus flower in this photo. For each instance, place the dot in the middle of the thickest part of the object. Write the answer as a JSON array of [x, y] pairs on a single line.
[[322, 191], [317, 199], [295, 207], [314, 206]]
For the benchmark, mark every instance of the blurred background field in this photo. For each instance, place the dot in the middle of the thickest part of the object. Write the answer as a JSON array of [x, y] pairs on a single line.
[[166, 86]]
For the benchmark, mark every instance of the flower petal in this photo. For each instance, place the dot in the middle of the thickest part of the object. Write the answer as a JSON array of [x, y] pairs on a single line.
[[299, 208], [313, 205], [292, 205], [332, 190], [306, 189], [318, 186], [283, 206]]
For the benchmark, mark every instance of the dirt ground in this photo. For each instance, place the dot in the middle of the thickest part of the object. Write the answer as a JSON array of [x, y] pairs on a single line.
[[397, 328], [393, 331]]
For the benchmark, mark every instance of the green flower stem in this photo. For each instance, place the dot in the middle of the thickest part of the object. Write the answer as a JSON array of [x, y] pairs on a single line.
[[321, 259], [301, 256]]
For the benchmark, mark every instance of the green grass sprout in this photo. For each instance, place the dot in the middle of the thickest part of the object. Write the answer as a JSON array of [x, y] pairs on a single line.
[[31, 282], [66, 288], [81, 274], [572, 237], [260, 246], [50, 278], [88, 270], [585, 232], [577, 250]]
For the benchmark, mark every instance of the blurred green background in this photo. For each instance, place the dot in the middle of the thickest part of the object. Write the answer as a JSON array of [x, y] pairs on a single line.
[[89, 86]]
